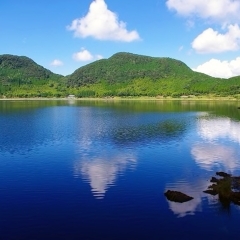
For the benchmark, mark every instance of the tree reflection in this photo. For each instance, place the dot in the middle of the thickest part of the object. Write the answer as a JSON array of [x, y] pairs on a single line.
[[163, 131]]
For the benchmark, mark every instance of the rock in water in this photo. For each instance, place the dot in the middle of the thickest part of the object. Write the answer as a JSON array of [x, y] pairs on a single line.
[[227, 188], [176, 196], [223, 174]]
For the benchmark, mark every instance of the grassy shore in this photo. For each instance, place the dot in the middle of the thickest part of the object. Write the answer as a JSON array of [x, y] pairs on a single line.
[[142, 98]]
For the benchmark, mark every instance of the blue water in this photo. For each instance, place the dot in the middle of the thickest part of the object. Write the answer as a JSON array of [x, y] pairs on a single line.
[[99, 170]]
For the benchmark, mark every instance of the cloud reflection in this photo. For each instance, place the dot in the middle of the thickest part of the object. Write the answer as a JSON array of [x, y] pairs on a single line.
[[194, 190], [209, 155], [213, 152], [216, 149], [102, 172], [214, 129]]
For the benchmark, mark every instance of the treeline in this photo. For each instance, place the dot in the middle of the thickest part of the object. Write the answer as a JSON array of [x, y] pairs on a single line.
[[138, 87], [122, 75]]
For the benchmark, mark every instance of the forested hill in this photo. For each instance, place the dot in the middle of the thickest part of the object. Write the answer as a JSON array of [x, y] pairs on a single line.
[[19, 68], [124, 67], [123, 74]]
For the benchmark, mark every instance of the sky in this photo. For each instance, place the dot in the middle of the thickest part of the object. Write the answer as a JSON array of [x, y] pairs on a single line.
[[65, 35]]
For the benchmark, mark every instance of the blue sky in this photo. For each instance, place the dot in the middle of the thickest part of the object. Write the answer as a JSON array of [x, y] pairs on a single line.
[[65, 35]]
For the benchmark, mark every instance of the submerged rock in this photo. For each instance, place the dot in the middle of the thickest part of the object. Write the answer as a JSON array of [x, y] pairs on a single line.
[[176, 196], [227, 188]]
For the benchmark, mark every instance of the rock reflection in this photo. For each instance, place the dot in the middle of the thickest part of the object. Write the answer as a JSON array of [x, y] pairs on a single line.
[[216, 150], [195, 191], [195, 188], [102, 172]]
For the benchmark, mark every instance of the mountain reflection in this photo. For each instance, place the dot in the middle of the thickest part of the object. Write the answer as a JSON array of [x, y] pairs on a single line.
[[102, 172]]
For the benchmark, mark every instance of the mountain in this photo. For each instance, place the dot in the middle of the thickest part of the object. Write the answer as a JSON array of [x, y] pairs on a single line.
[[123, 74], [21, 77], [125, 67], [19, 68], [127, 74]]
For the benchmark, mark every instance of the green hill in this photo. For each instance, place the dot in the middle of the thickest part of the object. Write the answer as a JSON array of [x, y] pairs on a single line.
[[126, 74], [124, 67], [22, 74], [14, 67], [123, 74]]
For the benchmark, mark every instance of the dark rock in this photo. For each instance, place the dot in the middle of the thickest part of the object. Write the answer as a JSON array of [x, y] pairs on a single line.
[[225, 187], [236, 183], [223, 174], [214, 180], [211, 191], [235, 198], [176, 196], [213, 187]]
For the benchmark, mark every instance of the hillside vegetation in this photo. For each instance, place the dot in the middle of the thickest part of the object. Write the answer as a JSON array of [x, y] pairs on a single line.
[[124, 67], [126, 74], [123, 74], [21, 77]]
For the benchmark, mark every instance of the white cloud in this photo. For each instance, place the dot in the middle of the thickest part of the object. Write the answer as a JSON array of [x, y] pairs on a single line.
[[210, 41], [98, 57], [225, 11], [222, 12], [222, 69], [56, 63], [83, 55], [102, 24]]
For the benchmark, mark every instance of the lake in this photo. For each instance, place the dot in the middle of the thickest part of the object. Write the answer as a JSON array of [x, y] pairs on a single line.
[[99, 169]]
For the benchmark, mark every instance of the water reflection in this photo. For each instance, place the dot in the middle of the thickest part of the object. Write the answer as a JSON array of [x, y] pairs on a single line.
[[102, 172], [214, 129], [215, 150], [194, 190], [208, 156], [163, 130]]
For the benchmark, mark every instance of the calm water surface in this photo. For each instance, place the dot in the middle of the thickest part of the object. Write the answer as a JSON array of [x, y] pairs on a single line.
[[99, 170]]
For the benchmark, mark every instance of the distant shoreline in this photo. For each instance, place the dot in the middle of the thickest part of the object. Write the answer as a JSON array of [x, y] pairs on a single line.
[[199, 98]]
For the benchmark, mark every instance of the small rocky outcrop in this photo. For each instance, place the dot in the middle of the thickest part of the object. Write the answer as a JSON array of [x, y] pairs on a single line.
[[223, 174], [227, 188], [176, 196]]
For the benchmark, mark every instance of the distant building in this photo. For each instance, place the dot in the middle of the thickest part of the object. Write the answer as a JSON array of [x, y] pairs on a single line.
[[71, 96]]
